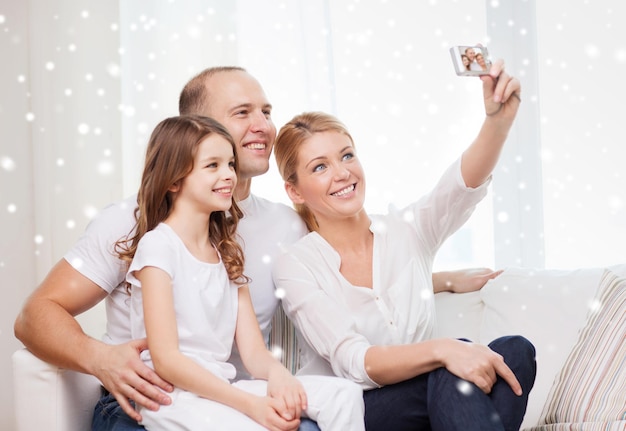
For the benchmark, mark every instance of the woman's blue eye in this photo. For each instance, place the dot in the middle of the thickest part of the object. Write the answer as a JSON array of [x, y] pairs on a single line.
[[348, 156], [318, 168]]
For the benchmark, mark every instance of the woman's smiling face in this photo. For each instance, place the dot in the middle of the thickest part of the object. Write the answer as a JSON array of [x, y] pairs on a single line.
[[331, 181]]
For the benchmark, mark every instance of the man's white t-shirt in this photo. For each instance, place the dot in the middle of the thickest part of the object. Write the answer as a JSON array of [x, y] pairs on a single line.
[[266, 228]]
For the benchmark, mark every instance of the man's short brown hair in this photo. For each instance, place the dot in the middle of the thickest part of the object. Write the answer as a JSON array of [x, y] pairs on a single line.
[[195, 97]]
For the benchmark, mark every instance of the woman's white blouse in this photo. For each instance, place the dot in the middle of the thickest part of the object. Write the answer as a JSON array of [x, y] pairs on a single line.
[[336, 321]]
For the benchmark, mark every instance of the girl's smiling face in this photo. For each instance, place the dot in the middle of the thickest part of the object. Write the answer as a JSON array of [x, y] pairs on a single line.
[[211, 182]]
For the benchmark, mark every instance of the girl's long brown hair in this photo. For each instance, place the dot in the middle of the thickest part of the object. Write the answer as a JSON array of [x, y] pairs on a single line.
[[169, 159], [287, 148]]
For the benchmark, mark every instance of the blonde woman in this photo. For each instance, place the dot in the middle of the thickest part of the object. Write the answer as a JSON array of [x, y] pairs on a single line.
[[358, 287]]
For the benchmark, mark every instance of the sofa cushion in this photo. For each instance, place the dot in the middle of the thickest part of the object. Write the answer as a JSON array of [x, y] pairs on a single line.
[[546, 306], [459, 315], [590, 391]]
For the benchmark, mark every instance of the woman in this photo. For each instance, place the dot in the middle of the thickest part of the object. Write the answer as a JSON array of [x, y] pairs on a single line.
[[189, 296], [480, 59], [359, 289], [466, 61]]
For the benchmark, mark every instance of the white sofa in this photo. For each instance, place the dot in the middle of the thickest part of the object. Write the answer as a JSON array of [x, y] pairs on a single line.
[[549, 307]]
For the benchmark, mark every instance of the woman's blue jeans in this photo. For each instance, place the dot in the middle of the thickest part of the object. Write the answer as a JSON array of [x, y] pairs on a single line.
[[109, 416], [433, 401]]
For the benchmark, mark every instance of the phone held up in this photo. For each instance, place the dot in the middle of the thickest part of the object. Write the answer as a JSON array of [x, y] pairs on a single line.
[[470, 60]]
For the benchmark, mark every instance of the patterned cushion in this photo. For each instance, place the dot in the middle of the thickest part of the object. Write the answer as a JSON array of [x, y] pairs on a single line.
[[283, 341], [589, 393], [583, 426]]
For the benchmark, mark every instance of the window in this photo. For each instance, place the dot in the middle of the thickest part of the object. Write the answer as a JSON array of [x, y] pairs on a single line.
[[384, 69]]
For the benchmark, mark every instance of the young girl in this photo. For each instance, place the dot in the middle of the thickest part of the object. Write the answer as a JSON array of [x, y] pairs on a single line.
[[189, 297], [358, 287]]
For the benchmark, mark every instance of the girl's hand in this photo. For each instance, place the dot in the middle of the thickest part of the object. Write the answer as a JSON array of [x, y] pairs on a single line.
[[266, 411], [288, 393]]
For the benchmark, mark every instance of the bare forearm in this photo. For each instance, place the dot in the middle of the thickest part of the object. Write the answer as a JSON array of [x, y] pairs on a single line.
[[185, 373], [261, 364], [46, 324], [442, 281], [54, 335], [501, 93], [481, 157], [392, 364], [256, 358]]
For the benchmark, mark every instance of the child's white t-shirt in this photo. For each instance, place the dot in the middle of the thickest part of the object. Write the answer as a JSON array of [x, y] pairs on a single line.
[[264, 230], [205, 300]]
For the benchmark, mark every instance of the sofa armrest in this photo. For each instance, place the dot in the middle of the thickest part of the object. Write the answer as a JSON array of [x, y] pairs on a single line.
[[51, 398]]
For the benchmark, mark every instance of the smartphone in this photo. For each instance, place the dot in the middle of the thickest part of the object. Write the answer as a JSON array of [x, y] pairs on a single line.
[[470, 60]]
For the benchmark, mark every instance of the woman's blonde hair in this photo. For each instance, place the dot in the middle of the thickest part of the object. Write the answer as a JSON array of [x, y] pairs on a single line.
[[287, 148], [169, 159]]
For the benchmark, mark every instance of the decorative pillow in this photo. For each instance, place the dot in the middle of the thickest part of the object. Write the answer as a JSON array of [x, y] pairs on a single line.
[[590, 391]]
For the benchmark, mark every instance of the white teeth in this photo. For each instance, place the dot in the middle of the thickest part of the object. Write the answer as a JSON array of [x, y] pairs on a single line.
[[256, 146], [223, 190], [345, 191]]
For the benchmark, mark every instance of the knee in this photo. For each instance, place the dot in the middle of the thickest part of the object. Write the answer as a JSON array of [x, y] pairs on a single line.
[[514, 346], [442, 378], [519, 354]]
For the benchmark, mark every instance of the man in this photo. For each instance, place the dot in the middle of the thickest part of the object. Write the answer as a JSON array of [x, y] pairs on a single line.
[[89, 272]]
